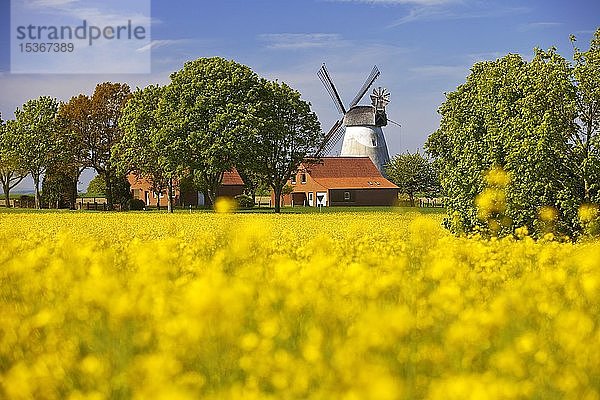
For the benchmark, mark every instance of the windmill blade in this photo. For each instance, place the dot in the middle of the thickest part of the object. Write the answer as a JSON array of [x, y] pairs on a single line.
[[328, 83], [366, 86], [334, 140], [333, 136]]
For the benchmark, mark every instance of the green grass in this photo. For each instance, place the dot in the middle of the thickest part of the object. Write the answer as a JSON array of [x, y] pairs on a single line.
[[333, 210], [262, 210]]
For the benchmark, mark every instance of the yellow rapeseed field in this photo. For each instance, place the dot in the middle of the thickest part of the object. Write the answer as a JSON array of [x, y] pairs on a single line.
[[320, 306]]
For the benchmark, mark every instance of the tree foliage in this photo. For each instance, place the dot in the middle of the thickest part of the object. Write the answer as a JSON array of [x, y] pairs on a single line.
[[95, 120], [587, 135], [146, 149], [285, 131], [35, 138], [206, 105], [58, 188], [413, 173], [96, 187], [77, 128], [11, 172], [517, 116]]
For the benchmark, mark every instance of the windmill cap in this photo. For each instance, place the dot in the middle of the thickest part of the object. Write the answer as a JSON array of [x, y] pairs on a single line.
[[361, 116]]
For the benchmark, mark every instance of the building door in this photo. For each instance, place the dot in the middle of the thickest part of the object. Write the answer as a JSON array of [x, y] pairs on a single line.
[[321, 199], [310, 199]]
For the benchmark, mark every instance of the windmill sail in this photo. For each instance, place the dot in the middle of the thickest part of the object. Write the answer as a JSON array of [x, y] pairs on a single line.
[[366, 86], [339, 133], [331, 138], [328, 83]]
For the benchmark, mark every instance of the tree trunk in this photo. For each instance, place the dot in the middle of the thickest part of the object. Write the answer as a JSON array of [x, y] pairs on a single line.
[[213, 183], [588, 138], [109, 191], [213, 188], [36, 182], [73, 196], [170, 190], [212, 196], [586, 187], [6, 189], [74, 190], [157, 200], [277, 192], [412, 199]]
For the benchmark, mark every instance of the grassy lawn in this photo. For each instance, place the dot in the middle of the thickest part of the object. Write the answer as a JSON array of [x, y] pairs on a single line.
[[262, 210], [333, 210]]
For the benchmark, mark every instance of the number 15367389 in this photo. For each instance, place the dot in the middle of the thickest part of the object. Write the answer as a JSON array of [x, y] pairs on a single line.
[[46, 47]]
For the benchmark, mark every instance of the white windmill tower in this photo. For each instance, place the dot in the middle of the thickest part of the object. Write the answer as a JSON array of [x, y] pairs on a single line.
[[361, 126]]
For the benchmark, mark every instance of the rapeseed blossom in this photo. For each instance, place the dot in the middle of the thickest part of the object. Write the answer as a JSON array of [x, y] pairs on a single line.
[[241, 306]]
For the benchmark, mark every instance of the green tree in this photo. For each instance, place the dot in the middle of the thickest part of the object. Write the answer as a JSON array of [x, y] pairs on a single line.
[[146, 149], [121, 190], [413, 173], [58, 188], [586, 137], [106, 105], [514, 115], [252, 180], [96, 187], [207, 106], [11, 173], [35, 138], [285, 131], [77, 130]]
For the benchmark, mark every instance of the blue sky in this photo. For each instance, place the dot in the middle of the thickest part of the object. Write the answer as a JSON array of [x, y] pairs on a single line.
[[422, 47]]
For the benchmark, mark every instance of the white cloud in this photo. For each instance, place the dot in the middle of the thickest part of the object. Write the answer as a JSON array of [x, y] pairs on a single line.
[[539, 25], [103, 14], [443, 12], [35, 4], [156, 44], [296, 41], [424, 13]]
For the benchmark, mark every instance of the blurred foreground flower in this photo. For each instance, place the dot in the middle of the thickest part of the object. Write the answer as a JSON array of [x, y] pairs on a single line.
[[548, 214], [588, 212], [225, 205]]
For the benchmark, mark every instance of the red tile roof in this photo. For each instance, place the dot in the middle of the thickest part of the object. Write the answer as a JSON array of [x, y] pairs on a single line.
[[231, 178], [347, 173]]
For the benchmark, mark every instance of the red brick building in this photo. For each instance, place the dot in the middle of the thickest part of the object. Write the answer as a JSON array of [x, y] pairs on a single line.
[[340, 181], [231, 186]]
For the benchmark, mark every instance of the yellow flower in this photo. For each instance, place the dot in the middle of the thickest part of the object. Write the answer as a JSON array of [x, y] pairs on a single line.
[[588, 212], [250, 306], [497, 177], [225, 205], [491, 201], [548, 214]]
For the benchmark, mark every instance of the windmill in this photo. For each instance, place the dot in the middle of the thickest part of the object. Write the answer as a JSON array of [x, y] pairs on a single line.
[[360, 126]]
